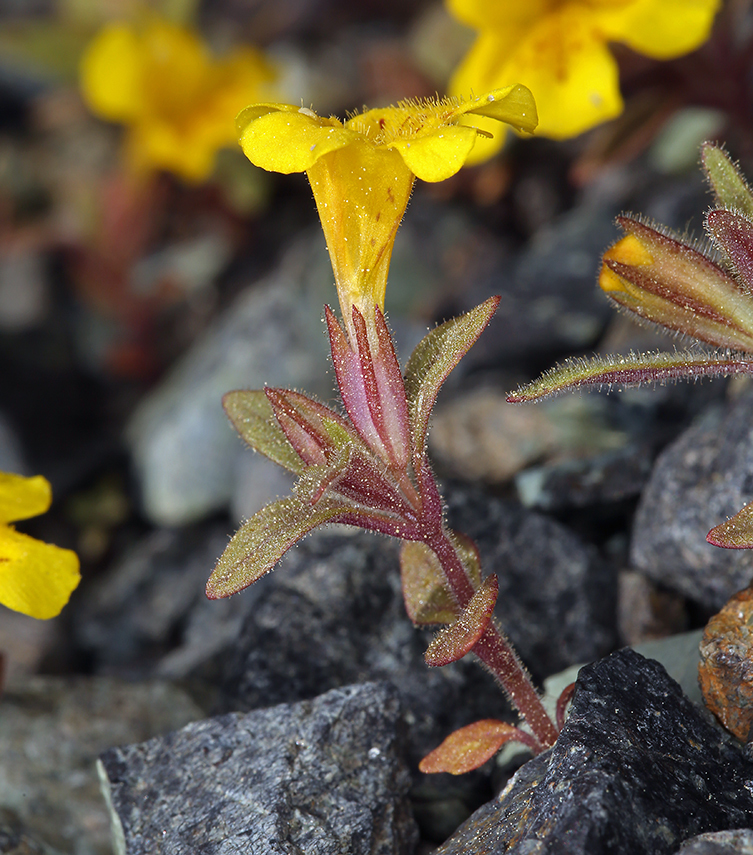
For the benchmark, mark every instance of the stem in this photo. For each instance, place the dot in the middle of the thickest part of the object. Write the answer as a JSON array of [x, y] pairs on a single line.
[[493, 648]]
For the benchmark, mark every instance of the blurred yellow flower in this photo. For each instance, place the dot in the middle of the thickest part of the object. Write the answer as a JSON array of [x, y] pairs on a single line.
[[35, 578], [178, 102], [362, 170], [558, 48]]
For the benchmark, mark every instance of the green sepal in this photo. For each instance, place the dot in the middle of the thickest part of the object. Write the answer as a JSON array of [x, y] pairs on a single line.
[[438, 352], [736, 533], [252, 416], [262, 541], [726, 180], [632, 370]]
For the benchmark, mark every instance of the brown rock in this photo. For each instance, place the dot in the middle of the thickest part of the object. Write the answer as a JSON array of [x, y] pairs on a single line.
[[726, 669]]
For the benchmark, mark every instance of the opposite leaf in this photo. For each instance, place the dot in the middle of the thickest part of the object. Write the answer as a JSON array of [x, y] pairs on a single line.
[[470, 747], [438, 352], [427, 597], [736, 533], [729, 186], [252, 416], [457, 639], [262, 541]]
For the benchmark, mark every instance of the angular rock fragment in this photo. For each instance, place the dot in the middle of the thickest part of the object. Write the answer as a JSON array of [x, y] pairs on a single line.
[[322, 776]]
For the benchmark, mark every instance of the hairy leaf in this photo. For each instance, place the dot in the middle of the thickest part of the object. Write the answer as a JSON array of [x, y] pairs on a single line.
[[252, 416], [733, 234], [438, 352], [729, 186], [262, 541], [471, 746], [632, 370], [460, 637], [736, 533], [427, 598]]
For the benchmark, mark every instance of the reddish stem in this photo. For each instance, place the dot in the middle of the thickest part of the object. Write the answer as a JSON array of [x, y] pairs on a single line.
[[494, 650]]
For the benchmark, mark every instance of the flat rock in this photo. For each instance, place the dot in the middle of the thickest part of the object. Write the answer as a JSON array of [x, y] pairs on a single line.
[[323, 776], [700, 480], [51, 731], [637, 769]]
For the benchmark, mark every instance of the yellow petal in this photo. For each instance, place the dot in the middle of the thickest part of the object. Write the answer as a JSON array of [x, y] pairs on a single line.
[[502, 16], [570, 70], [21, 498], [361, 193], [659, 28], [438, 156], [35, 578], [513, 105], [111, 80], [281, 138]]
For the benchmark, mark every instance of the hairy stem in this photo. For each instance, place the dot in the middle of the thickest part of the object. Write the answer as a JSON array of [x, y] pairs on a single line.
[[494, 649]]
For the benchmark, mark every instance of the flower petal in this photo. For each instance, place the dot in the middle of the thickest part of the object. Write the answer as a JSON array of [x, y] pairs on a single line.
[[21, 498], [36, 578], [281, 138], [659, 28], [513, 105], [111, 74], [438, 156]]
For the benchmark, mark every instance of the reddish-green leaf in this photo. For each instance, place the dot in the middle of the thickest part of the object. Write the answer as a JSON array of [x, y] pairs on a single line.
[[604, 372], [252, 416], [427, 598], [438, 352], [460, 637], [736, 533], [470, 747], [733, 234], [263, 540]]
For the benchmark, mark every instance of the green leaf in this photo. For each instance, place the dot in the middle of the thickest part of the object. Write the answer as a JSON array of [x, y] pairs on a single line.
[[729, 186], [736, 533], [262, 541], [252, 416], [460, 637], [632, 370], [434, 358], [427, 598]]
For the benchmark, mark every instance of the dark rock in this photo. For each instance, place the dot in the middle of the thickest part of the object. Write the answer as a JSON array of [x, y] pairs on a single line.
[[738, 842], [637, 769], [148, 614], [325, 776], [699, 481]]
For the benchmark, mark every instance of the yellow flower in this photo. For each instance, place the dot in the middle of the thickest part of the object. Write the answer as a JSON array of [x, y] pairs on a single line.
[[35, 578], [558, 48], [362, 170], [178, 102]]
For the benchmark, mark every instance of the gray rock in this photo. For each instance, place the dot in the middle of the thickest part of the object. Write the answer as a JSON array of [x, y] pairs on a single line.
[[320, 777], [637, 769], [700, 480], [51, 731], [738, 842], [183, 447]]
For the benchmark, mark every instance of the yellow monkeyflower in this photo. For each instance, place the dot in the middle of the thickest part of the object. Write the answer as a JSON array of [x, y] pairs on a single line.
[[35, 578], [178, 102], [558, 48], [362, 170]]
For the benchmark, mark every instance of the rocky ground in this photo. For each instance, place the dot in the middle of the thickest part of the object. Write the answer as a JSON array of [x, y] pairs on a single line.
[[291, 718]]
